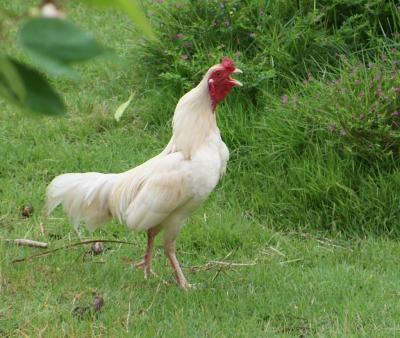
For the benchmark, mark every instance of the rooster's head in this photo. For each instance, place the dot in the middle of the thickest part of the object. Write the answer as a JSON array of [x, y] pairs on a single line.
[[220, 81]]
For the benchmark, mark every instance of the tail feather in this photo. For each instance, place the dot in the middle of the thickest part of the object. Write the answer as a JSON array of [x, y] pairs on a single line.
[[84, 197]]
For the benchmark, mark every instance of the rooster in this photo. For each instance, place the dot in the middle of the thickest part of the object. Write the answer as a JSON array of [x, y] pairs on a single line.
[[162, 192]]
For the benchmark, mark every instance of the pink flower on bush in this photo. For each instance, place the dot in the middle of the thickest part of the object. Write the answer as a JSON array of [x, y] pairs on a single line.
[[285, 99], [379, 92]]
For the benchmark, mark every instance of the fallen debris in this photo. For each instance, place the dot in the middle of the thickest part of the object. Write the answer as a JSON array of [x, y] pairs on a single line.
[[98, 303], [28, 242], [97, 248], [46, 253], [82, 311], [27, 211]]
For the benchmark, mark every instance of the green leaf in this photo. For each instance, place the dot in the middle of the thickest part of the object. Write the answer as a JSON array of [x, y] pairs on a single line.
[[55, 43], [121, 109], [132, 8], [11, 86], [39, 96]]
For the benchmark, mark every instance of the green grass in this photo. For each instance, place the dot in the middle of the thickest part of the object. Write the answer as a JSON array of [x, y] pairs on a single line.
[[301, 213]]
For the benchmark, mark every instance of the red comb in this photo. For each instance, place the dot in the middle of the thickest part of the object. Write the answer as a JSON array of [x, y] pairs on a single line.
[[227, 63]]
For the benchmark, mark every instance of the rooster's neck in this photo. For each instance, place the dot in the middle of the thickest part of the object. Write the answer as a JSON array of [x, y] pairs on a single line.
[[194, 120]]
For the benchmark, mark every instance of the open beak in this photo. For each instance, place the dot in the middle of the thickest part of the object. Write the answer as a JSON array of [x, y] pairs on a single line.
[[234, 81]]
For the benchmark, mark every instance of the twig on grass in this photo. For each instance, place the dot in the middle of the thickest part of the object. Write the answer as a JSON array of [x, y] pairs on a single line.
[[46, 253], [322, 240], [217, 273], [42, 231], [220, 264], [27, 242], [233, 264], [276, 251], [291, 261], [128, 316]]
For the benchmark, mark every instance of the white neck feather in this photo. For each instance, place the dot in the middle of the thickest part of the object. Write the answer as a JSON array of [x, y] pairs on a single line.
[[193, 121]]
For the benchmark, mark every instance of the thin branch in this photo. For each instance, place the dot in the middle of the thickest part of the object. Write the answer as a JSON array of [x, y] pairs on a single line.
[[277, 251], [43, 254], [42, 231], [232, 263], [28, 242], [217, 273], [291, 261], [128, 316]]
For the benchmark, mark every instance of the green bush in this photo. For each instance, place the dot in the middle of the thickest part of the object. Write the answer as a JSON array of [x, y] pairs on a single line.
[[313, 134], [367, 108], [274, 41]]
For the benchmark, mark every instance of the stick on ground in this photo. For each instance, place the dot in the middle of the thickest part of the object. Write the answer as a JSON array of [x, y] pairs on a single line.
[[28, 242], [46, 253]]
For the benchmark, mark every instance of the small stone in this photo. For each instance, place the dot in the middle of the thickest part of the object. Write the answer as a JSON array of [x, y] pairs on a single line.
[[27, 210], [98, 303], [97, 248]]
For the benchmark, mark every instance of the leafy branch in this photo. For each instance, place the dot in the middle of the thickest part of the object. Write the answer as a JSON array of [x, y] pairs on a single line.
[[54, 44]]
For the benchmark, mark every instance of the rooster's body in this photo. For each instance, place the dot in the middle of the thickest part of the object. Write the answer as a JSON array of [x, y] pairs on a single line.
[[162, 192]]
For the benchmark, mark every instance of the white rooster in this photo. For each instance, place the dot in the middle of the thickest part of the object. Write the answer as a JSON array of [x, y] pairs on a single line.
[[162, 192]]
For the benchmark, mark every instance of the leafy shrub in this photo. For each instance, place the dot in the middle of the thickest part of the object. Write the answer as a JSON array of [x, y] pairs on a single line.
[[359, 111], [371, 128], [275, 42], [313, 133]]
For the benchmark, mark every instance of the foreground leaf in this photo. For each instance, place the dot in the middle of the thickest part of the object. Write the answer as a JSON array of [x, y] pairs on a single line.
[[39, 96], [11, 86], [121, 109], [55, 43]]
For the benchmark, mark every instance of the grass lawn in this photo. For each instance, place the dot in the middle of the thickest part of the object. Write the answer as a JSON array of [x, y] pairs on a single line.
[[271, 282]]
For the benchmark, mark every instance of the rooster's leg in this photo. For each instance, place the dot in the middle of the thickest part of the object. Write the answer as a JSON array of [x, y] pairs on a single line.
[[148, 254], [169, 247]]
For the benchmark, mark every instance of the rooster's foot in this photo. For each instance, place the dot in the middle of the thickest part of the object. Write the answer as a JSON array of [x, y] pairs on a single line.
[[146, 267]]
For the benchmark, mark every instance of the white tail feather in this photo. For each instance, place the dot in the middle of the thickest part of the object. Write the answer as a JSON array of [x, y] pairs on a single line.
[[84, 197]]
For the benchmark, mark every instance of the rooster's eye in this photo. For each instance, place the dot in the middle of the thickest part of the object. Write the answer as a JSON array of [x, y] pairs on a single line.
[[218, 74]]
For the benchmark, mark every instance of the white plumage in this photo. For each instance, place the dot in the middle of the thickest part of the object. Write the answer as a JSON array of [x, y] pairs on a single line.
[[160, 193]]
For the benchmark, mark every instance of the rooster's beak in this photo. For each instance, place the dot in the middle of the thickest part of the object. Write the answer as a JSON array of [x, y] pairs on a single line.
[[234, 81]]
